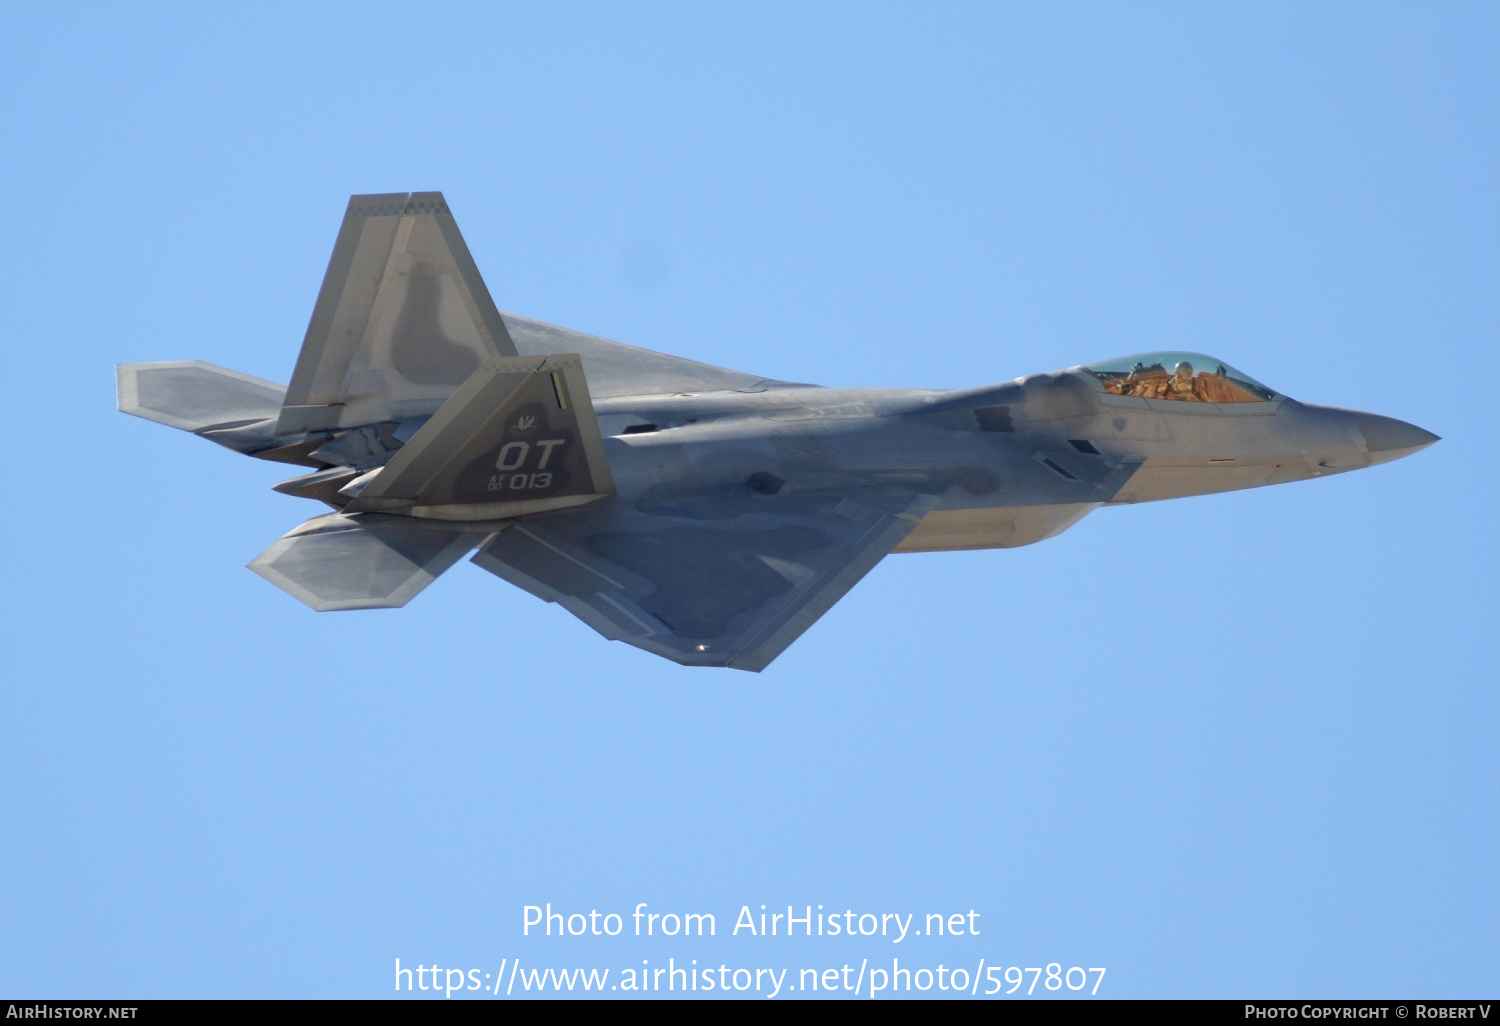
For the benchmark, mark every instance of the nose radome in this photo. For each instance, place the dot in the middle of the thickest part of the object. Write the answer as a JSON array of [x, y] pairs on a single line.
[[1390, 439]]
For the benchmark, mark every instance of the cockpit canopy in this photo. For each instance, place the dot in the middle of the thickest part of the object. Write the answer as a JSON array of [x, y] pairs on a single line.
[[1187, 377]]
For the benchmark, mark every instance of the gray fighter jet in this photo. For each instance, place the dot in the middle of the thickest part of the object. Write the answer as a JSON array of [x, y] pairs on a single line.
[[706, 515]]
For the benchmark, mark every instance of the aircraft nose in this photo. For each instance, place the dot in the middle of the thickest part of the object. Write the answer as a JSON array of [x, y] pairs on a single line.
[[1390, 439]]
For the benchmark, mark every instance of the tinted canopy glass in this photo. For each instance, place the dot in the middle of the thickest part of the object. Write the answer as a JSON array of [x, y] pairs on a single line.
[[1186, 377]]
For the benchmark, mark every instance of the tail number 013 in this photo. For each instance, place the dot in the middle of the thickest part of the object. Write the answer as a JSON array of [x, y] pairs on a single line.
[[513, 457]]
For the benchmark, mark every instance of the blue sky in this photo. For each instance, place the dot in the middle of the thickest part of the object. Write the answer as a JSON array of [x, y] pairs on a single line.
[[1227, 746]]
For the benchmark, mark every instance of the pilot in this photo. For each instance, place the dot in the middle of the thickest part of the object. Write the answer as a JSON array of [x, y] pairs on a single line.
[[1181, 384], [1131, 383]]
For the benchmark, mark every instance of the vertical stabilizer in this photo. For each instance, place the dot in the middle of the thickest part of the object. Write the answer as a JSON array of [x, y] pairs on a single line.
[[519, 437], [402, 319]]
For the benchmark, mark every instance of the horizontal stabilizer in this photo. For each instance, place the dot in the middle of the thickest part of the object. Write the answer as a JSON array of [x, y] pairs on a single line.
[[519, 437], [193, 395], [402, 319], [342, 562]]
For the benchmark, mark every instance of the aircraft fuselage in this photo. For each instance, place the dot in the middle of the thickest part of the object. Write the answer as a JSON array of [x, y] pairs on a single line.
[[999, 466]]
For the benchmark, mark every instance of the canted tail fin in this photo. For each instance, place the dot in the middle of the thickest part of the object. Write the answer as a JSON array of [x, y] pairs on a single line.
[[402, 319], [518, 437]]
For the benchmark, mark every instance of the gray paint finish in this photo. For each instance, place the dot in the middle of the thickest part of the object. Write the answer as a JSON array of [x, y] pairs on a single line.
[[705, 515]]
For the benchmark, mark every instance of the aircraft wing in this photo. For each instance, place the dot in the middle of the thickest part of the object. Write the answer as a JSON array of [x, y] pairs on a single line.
[[733, 591], [614, 368]]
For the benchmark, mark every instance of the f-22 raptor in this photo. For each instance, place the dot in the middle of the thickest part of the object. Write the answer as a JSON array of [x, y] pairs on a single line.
[[705, 515]]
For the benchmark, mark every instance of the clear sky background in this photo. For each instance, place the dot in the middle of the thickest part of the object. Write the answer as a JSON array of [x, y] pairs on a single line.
[[1241, 745]]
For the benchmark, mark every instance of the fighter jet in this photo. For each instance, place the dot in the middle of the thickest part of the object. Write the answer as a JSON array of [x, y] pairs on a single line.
[[705, 515]]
